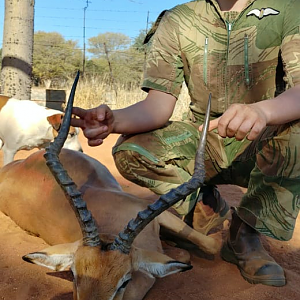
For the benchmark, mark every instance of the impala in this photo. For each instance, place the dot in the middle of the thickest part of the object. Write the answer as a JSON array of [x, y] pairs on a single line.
[[89, 232]]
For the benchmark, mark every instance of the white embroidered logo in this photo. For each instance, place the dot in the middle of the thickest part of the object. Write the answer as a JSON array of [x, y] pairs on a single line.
[[263, 12]]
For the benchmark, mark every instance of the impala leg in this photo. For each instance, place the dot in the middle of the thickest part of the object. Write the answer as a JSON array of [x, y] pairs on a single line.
[[209, 244]]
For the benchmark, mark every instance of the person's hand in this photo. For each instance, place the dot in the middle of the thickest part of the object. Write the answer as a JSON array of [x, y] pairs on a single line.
[[96, 123], [240, 121]]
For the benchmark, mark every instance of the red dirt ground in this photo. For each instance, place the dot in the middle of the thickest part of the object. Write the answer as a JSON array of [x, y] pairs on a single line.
[[210, 279]]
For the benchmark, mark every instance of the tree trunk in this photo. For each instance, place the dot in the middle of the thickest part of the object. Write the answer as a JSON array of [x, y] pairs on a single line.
[[17, 51]]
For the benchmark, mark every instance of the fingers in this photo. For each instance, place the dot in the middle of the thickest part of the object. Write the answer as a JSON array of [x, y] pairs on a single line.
[[89, 120], [94, 114], [227, 124], [237, 127], [255, 131], [94, 143], [213, 124], [243, 130], [79, 112], [96, 132], [77, 122], [96, 123], [78, 115], [239, 121]]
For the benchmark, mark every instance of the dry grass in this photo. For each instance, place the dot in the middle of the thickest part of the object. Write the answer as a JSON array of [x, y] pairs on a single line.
[[93, 92]]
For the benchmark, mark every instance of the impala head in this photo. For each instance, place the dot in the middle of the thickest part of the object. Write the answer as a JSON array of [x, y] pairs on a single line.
[[103, 264]]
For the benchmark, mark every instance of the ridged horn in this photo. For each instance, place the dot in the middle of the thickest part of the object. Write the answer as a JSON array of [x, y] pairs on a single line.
[[87, 223], [125, 238]]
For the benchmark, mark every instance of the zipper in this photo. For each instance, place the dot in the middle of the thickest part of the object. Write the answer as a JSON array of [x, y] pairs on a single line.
[[205, 60], [229, 28], [246, 59]]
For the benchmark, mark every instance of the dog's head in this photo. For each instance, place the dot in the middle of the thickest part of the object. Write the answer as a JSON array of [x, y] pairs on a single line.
[[72, 141]]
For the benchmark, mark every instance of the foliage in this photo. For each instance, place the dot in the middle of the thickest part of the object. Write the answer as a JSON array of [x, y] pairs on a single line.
[[113, 59], [96, 66], [128, 67], [109, 41], [138, 43], [54, 58]]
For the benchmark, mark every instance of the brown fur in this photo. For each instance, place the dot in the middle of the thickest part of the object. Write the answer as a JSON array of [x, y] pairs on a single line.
[[55, 121], [3, 100], [33, 199]]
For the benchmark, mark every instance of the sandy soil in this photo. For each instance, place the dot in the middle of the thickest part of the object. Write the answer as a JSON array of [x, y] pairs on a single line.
[[210, 278]]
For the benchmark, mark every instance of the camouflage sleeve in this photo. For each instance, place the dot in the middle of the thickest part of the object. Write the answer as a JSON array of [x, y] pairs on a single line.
[[163, 66], [290, 48]]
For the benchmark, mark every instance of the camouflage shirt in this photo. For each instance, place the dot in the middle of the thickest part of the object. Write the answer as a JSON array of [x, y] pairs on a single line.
[[241, 57]]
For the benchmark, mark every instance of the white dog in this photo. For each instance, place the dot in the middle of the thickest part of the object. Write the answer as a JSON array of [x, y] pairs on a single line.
[[27, 125]]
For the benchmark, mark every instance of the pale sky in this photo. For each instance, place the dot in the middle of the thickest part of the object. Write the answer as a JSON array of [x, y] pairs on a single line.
[[67, 16]]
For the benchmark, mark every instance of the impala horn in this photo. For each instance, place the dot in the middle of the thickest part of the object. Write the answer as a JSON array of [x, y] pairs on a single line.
[[125, 238], [87, 223]]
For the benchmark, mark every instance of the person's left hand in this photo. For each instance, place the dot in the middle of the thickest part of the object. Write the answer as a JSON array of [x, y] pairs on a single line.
[[240, 121]]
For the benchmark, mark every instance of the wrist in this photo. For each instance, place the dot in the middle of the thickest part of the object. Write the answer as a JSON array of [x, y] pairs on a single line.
[[264, 110]]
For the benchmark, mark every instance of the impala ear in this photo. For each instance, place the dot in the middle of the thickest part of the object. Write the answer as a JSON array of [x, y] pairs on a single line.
[[157, 264], [57, 257]]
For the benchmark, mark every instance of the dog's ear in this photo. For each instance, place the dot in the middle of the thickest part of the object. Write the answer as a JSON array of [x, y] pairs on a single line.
[[3, 100], [55, 121]]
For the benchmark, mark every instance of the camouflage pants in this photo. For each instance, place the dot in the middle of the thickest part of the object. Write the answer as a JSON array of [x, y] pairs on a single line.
[[269, 167]]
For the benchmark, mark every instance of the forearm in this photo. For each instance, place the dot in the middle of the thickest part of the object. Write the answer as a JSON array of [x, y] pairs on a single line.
[[149, 114], [146, 115], [282, 109]]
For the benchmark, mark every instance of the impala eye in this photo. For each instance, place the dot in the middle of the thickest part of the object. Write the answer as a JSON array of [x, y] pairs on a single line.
[[124, 284]]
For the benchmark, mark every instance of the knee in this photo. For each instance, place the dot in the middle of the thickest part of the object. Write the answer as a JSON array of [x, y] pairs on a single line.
[[127, 163], [135, 162]]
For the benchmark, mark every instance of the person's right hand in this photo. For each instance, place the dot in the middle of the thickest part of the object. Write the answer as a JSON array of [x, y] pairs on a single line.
[[96, 123]]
